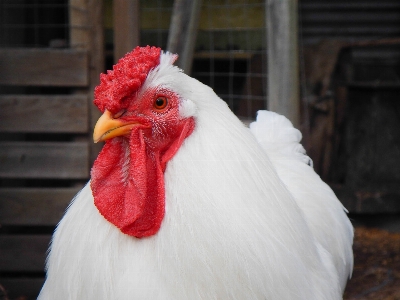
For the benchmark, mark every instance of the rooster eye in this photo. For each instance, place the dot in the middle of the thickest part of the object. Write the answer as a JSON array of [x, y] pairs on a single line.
[[160, 102]]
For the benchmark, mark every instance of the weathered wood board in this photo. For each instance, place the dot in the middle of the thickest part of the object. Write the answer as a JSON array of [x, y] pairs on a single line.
[[44, 67], [45, 160], [43, 113], [23, 252], [34, 206], [126, 27]]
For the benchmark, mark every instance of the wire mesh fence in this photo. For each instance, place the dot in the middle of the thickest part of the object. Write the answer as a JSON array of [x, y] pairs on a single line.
[[155, 18], [34, 23], [229, 52], [231, 43]]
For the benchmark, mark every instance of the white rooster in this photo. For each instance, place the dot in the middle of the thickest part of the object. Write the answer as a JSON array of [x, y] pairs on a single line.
[[185, 202]]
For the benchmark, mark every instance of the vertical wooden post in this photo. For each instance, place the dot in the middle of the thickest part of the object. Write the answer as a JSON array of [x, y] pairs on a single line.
[[86, 32], [126, 26], [283, 61], [183, 31], [78, 22], [96, 48]]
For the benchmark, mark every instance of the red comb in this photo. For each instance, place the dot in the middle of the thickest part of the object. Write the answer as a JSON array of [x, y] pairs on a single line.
[[126, 77]]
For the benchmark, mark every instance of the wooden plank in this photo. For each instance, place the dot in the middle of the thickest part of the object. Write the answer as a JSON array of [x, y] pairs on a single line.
[[43, 67], [23, 252], [96, 49], [22, 288], [126, 26], [87, 32], [39, 113], [79, 34], [283, 61], [34, 206], [44, 160]]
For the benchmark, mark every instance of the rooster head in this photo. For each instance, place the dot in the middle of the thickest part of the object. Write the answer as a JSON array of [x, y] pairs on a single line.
[[144, 123]]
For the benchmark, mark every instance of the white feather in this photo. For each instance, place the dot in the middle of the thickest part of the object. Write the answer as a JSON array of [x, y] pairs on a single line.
[[233, 228], [324, 213]]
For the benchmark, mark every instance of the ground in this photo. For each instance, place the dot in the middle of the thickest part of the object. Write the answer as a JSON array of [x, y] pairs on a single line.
[[376, 272]]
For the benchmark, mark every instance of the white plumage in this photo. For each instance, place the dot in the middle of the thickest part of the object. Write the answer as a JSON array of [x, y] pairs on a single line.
[[246, 217]]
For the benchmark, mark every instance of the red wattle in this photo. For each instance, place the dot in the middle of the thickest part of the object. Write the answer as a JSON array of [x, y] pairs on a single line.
[[127, 182]]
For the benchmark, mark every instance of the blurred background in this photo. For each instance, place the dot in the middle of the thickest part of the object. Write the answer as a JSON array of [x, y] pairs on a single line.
[[343, 93]]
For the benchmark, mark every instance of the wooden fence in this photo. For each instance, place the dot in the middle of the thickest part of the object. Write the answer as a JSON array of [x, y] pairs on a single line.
[[46, 149]]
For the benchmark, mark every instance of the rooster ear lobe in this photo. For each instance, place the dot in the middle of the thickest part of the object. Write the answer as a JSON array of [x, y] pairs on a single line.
[[187, 108]]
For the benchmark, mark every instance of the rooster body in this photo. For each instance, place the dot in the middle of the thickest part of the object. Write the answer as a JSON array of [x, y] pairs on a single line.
[[245, 217]]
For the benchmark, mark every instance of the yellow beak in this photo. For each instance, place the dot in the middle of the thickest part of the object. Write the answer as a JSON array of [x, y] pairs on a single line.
[[107, 127]]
